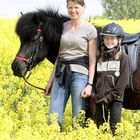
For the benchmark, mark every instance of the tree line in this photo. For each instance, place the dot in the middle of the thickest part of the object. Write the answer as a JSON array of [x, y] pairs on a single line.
[[121, 9]]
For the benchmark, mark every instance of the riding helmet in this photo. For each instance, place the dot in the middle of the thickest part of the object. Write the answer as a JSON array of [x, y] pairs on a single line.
[[112, 29]]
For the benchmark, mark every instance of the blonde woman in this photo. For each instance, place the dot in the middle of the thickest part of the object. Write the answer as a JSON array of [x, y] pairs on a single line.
[[74, 69]]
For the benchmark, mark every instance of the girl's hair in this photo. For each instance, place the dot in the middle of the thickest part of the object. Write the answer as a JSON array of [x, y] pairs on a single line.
[[80, 2]]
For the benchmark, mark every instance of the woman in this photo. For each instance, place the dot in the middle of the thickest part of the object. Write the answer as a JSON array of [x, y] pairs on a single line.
[[74, 69], [112, 76]]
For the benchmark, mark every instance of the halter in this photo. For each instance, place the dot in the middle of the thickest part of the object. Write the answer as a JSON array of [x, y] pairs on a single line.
[[23, 59], [29, 61]]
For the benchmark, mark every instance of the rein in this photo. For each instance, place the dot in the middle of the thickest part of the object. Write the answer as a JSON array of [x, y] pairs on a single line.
[[25, 79]]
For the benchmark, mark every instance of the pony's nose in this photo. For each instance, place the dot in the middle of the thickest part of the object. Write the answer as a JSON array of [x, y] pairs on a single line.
[[18, 68]]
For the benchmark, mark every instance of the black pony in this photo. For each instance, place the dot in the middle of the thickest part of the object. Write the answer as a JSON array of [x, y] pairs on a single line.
[[40, 33]]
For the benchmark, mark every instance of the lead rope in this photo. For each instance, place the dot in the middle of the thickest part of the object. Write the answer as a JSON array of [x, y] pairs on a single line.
[[25, 79], [103, 108]]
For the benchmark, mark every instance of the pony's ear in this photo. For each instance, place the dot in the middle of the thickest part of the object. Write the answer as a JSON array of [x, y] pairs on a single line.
[[21, 13], [36, 19]]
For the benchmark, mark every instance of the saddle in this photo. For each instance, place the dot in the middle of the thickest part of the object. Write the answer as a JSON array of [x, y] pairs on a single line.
[[130, 38], [131, 46]]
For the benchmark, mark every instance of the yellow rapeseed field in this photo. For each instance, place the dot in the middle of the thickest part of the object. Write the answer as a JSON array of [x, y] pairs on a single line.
[[24, 110]]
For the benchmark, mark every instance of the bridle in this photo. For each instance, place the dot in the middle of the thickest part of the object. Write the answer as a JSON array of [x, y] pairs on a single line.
[[29, 61]]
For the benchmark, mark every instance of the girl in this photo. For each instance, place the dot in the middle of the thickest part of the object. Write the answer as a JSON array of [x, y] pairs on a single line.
[[112, 76]]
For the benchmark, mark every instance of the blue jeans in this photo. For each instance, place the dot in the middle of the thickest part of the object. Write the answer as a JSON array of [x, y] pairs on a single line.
[[60, 96]]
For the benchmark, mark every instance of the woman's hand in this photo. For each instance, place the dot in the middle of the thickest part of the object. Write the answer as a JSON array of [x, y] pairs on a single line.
[[86, 91], [48, 88]]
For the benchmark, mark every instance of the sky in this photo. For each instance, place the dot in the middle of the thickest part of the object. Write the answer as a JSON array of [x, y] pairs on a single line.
[[12, 8]]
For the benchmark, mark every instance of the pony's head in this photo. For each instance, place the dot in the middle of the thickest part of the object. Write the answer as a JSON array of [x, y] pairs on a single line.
[[39, 34]]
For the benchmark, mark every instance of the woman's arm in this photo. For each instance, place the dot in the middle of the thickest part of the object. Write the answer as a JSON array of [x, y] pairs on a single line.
[[50, 81], [92, 64], [92, 59]]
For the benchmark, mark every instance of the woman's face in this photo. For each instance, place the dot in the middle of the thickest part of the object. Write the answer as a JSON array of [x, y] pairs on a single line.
[[75, 10], [111, 41]]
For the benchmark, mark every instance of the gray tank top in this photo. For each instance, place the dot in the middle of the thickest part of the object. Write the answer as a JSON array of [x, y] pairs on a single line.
[[74, 44]]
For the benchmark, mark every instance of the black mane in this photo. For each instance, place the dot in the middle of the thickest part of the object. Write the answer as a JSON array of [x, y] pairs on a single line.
[[28, 23], [52, 24]]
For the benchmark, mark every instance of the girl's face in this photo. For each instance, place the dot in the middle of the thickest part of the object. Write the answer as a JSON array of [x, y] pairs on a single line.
[[75, 10], [111, 41]]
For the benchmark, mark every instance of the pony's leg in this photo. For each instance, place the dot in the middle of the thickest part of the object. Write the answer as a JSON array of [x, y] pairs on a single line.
[[91, 111]]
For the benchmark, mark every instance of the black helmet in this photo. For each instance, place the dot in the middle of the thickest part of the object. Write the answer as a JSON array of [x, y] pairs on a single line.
[[112, 29]]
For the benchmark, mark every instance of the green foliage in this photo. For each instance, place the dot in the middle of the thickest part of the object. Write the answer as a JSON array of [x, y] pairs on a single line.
[[121, 9]]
